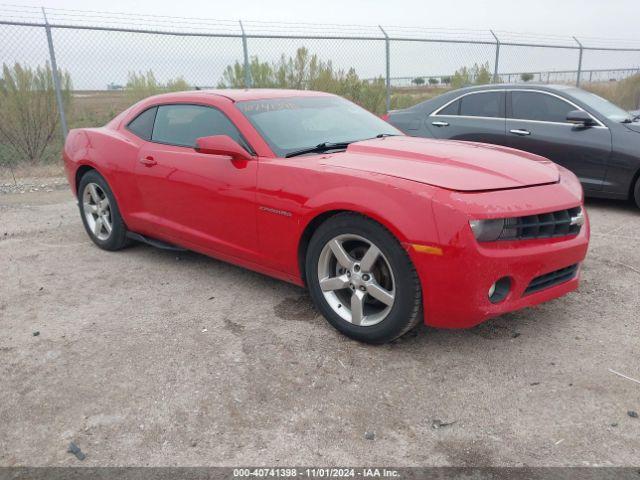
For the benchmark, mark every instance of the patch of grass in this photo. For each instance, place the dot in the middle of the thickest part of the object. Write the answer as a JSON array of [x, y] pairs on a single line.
[[624, 93]]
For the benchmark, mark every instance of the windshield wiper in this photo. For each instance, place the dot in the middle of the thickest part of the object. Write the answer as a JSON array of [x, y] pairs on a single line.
[[382, 135], [326, 146], [632, 118], [321, 147]]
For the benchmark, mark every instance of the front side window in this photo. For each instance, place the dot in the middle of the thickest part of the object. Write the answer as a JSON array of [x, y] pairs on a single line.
[[601, 105], [182, 125], [539, 106], [142, 125], [295, 123], [482, 105]]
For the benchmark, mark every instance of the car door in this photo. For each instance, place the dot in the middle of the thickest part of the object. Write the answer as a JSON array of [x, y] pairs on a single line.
[[208, 200], [476, 116], [537, 123]]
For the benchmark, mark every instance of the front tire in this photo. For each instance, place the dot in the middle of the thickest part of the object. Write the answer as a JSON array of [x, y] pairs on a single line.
[[100, 214], [636, 192], [362, 280]]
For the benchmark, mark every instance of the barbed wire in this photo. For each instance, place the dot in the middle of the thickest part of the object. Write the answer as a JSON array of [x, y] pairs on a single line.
[[10, 12]]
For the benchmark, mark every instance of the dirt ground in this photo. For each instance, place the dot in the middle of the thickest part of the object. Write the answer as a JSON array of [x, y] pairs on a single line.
[[148, 357]]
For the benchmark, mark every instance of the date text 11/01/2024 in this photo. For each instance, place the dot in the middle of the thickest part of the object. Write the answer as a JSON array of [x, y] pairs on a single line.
[[316, 472]]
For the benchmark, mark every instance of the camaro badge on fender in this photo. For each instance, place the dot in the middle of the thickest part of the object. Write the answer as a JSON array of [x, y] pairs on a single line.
[[284, 213]]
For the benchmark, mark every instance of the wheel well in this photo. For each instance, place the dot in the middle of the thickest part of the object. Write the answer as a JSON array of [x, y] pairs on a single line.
[[80, 173], [306, 238]]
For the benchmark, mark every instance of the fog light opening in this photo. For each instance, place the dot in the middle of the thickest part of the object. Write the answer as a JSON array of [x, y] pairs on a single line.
[[499, 290]]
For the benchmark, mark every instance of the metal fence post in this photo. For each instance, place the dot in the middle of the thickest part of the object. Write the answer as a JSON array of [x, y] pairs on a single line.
[[579, 62], [247, 71], [388, 66], [495, 69], [56, 77]]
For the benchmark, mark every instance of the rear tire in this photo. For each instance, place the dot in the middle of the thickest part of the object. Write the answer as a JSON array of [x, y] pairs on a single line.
[[362, 280], [100, 214]]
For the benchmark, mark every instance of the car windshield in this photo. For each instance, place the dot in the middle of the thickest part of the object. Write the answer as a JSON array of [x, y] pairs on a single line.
[[601, 106], [292, 124]]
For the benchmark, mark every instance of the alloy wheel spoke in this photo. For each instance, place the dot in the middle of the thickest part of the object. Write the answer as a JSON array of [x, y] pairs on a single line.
[[343, 258], [97, 228], [93, 191], [379, 293], [369, 258], [107, 224], [334, 283], [357, 307], [103, 204], [90, 208]]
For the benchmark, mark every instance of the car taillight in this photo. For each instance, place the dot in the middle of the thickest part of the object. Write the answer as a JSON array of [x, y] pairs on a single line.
[[385, 117]]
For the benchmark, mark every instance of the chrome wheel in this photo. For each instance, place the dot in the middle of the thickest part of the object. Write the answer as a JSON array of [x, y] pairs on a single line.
[[356, 280], [97, 211]]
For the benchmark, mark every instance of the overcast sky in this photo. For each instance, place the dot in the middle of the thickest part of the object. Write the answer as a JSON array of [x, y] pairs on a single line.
[[593, 18], [96, 58]]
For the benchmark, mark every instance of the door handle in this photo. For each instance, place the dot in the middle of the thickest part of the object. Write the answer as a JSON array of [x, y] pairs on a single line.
[[521, 132], [148, 161], [440, 124]]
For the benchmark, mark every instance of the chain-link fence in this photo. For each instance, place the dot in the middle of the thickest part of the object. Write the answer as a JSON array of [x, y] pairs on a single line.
[[112, 59]]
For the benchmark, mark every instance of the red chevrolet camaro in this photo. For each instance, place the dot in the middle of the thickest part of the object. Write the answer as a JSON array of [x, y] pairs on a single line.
[[385, 230]]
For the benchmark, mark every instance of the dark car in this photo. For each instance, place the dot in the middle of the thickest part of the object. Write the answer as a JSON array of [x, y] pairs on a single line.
[[585, 133]]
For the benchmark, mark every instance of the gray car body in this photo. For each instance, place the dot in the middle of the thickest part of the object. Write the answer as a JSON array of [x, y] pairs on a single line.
[[605, 157]]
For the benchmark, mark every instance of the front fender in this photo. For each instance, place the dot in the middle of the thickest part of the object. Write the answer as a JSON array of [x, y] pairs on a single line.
[[384, 207], [290, 199]]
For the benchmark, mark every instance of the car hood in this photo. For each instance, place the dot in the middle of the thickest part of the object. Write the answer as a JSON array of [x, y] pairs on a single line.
[[454, 165], [635, 126]]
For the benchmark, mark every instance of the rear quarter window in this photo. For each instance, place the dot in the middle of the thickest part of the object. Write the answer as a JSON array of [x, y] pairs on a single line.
[[451, 109], [142, 125]]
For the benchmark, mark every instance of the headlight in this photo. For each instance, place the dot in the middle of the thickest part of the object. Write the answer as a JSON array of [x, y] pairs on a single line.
[[487, 230]]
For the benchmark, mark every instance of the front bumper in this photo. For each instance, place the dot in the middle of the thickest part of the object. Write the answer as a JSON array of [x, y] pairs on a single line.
[[455, 284]]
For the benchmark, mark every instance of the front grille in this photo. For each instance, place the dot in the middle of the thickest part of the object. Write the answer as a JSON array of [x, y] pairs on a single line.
[[543, 225], [551, 279]]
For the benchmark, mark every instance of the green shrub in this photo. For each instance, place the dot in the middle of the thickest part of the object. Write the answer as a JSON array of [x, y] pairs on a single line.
[[142, 85], [29, 119], [526, 77], [476, 75], [418, 81], [308, 71]]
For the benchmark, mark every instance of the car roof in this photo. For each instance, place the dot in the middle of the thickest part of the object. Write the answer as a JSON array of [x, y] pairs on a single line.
[[442, 98], [528, 85], [238, 95]]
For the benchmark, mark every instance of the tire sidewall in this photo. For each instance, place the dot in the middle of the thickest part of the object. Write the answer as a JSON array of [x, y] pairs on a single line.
[[118, 232], [403, 310]]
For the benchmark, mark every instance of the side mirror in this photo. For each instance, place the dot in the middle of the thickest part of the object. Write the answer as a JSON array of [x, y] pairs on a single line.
[[580, 117], [221, 145]]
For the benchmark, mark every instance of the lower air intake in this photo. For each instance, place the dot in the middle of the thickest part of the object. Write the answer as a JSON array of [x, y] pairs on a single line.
[[552, 279]]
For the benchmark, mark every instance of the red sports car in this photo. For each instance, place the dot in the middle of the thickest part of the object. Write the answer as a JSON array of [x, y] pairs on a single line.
[[385, 230]]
